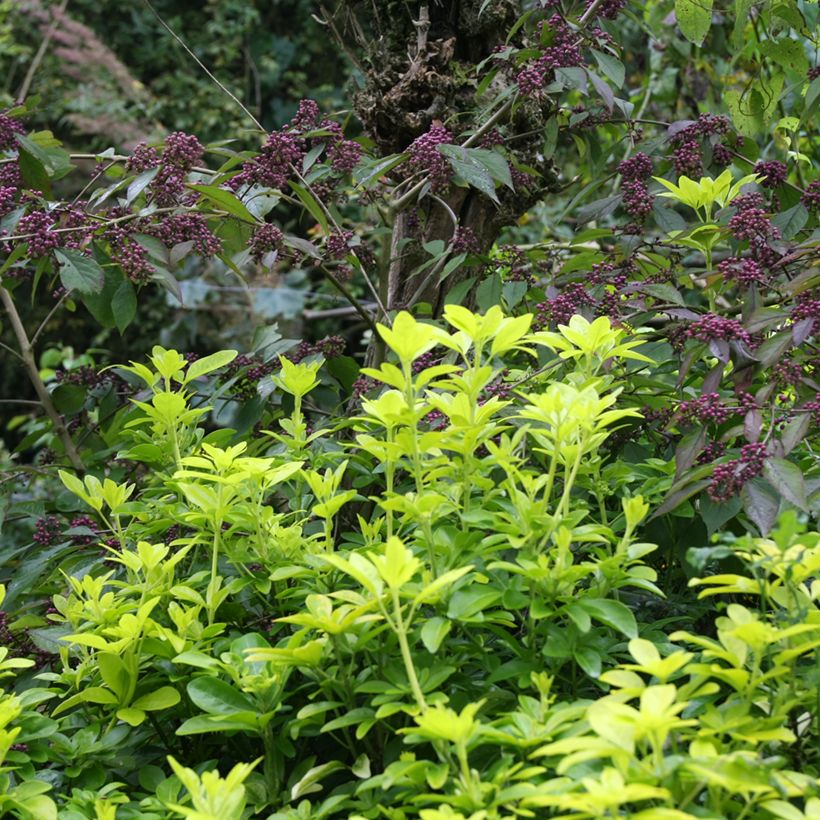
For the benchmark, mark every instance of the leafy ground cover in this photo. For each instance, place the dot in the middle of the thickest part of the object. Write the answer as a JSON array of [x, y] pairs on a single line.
[[530, 532]]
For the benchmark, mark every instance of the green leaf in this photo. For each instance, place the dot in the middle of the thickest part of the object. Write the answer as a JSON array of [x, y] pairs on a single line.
[[786, 53], [812, 97], [205, 724], [217, 697], [694, 18], [434, 632], [162, 698], [47, 151], [131, 716], [612, 68], [113, 673], [612, 613], [209, 363], [78, 272], [489, 292], [470, 169], [791, 221], [124, 305], [311, 205], [226, 201]]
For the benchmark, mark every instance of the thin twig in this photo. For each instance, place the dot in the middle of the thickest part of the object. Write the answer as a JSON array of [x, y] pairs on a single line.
[[11, 350], [27, 354], [338, 228], [48, 317], [350, 298], [203, 66], [41, 53]]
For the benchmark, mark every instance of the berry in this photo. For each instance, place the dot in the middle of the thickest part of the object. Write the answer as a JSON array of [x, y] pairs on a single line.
[[425, 157], [344, 155], [47, 531], [637, 200], [688, 160], [187, 227], [41, 238], [636, 167], [142, 159], [306, 117], [811, 196], [728, 479], [465, 241], [9, 128], [182, 150], [746, 272], [774, 173], [713, 327], [265, 239]]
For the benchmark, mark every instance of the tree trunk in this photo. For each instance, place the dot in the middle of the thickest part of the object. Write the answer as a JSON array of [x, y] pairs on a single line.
[[419, 62]]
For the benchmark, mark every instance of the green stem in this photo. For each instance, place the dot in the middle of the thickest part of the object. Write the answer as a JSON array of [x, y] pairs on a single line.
[[407, 656]]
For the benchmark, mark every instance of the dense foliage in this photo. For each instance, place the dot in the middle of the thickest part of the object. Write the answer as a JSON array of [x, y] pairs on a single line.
[[524, 525]]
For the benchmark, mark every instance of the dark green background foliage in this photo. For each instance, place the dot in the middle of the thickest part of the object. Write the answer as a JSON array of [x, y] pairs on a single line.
[[439, 443]]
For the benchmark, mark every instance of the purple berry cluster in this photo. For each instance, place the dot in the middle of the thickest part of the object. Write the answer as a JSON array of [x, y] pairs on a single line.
[[788, 372], [706, 409], [362, 386], [745, 272], [722, 154], [729, 479], [428, 359], [635, 171], [560, 309], [687, 156], [186, 227], [687, 159], [8, 196], [182, 150], [264, 240], [564, 51], [774, 173], [337, 245], [343, 154], [180, 154], [711, 452], [306, 117], [85, 522], [331, 347], [129, 254], [143, 158], [609, 9], [807, 307], [38, 227], [712, 327], [749, 220], [425, 157], [47, 531], [83, 376], [811, 196], [465, 241], [247, 372], [9, 129], [813, 407]]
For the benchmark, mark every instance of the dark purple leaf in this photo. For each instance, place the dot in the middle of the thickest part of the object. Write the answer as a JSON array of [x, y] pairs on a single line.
[[752, 422], [787, 479], [802, 330], [795, 431], [712, 381], [688, 450], [761, 505]]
